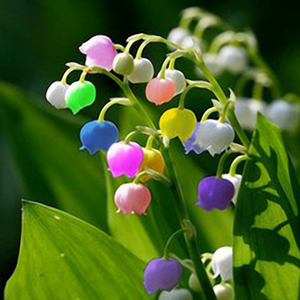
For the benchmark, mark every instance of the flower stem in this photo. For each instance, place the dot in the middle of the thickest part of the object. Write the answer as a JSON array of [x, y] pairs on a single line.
[[235, 163], [169, 241]]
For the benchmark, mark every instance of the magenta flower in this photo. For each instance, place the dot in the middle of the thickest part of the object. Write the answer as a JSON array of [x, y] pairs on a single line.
[[132, 198], [215, 193], [162, 274], [100, 51], [124, 159]]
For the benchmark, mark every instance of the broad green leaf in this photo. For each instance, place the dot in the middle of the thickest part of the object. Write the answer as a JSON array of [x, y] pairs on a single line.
[[266, 229], [62, 257], [45, 144]]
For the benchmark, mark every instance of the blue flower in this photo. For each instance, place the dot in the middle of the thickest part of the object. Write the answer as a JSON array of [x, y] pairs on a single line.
[[189, 145]]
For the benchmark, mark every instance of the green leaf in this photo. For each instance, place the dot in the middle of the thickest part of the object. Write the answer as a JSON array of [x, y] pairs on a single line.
[[266, 229], [63, 257]]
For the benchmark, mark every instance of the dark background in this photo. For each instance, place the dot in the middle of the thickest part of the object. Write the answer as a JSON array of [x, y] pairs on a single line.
[[39, 36]]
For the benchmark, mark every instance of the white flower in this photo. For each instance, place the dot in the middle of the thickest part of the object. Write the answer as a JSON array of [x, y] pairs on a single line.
[[179, 79], [224, 291], [176, 294], [234, 59], [143, 71], [236, 181], [214, 136], [222, 263], [283, 114], [246, 111], [180, 37], [194, 283], [56, 94], [212, 63]]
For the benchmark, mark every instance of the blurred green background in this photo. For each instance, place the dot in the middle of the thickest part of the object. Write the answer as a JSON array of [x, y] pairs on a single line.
[[39, 37]]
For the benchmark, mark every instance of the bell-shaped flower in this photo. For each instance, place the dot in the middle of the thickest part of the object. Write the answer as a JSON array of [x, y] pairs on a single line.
[[142, 72], [153, 160], [96, 135], [180, 37], [194, 283], [179, 79], [236, 181], [123, 64], [214, 136], [177, 122], [212, 63], [80, 95], [160, 91], [283, 114], [56, 94], [124, 159], [100, 51], [246, 111], [215, 193], [176, 294], [162, 274], [132, 198], [190, 144], [224, 291], [222, 263], [233, 59]]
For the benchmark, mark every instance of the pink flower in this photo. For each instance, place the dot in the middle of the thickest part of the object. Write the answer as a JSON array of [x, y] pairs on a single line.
[[100, 51], [160, 91], [132, 198], [124, 159]]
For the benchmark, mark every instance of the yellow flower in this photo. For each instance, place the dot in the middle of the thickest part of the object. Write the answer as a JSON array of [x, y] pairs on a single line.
[[152, 160], [177, 122]]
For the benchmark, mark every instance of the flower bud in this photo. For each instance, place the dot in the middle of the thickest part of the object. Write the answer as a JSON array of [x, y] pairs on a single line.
[[283, 114], [96, 135], [142, 72], [160, 91], [212, 63], [215, 193], [152, 160], [236, 181], [190, 144], [162, 274], [80, 95], [124, 159], [132, 198], [123, 64], [56, 94], [222, 263], [100, 51], [180, 37], [224, 291], [233, 59], [214, 136], [176, 294], [179, 79], [194, 283], [246, 111], [177, 122]]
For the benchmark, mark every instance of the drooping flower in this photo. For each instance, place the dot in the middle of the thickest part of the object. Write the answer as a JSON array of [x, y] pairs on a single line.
[[100, 51], [246, 111], [180, 37], [176, 294], [234, 59], [224, 291], [212, 63], [194, 283], [160, 91], [132, 198], [56, 94], [214, 136], [215, 193], [124, 159], [222, 263], [190, 144], [80, 95], [153, 160], [283, 114], [179, 79], [96, 135], [142, 72], [177, 122], [236, 181], [162, 274], [123, 64]]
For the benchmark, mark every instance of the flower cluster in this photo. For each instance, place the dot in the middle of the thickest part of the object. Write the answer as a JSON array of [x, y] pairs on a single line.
[[229, 52]]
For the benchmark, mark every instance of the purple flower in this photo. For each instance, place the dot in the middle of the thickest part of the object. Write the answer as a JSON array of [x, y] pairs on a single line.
[[215, 193], [189, 145], [162, 274]]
